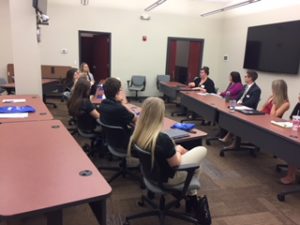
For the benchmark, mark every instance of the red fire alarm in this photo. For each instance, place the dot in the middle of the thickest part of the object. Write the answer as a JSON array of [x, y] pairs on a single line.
[[144, 38]]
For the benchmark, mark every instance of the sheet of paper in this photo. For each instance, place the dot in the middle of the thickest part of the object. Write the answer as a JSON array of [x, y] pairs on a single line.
[[13, 115], [214, 94], [282, 124], [13, 100], [242, 107], [202, 94]]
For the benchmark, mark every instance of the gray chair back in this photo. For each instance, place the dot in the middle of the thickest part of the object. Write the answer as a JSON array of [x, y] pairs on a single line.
[[162, 78], [137, 80]]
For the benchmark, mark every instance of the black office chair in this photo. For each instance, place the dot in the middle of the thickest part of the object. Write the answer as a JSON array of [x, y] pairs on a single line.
[[239, 146], [2, 81], [137, 83], [116, 139], [291, 190], [154, 184], [93, 137]]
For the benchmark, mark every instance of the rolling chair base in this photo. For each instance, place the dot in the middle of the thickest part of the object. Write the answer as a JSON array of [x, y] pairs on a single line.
[[122, 170], [162, 210]]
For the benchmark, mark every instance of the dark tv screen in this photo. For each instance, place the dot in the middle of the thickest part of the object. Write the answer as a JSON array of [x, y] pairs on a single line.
[[40, 5], [274, 48]]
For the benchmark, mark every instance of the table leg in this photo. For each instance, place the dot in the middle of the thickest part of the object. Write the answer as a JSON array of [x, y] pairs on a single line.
[[55, 218], [99, 209]]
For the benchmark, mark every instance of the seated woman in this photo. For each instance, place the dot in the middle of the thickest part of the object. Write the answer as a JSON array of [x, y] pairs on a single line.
[[235, 86], [290, 178], [71, 78], [84, 69], [81, 108], [148, 136], [203, 83], [278, 103]]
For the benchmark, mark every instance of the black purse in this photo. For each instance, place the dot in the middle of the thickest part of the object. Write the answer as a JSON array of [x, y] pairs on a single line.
[[202, 212]]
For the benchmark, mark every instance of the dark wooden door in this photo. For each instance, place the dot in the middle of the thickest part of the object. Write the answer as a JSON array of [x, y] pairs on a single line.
[[94, 49]]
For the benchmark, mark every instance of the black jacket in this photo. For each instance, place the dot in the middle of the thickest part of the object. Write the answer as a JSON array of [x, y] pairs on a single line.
[[252, 97]]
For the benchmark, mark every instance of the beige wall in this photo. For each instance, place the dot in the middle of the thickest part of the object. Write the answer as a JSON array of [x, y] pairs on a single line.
[[5, 38], [132, 56], [234, 42], [129, 54], [25, 48]]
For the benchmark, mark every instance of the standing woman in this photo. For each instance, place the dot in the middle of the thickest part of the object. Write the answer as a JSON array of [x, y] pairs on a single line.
[[84, 69], [81, 108], [148, 136], [203, 83], [235, 86]]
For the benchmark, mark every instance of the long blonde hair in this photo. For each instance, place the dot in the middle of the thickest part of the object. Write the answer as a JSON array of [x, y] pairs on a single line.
[[279, 89], [148, 126]]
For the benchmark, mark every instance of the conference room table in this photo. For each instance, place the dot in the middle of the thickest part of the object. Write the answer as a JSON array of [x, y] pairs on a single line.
[[44, 170], [205, 105], [171, 89], [47, 85], [257, 129], [41, 111], [194, 135]]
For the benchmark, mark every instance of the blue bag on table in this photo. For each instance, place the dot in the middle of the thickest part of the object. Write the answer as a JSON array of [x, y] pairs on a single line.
[[184, 126], [17, 109]]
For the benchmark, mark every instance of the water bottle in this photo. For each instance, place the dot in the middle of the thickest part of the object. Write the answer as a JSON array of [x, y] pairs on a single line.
[[227, 96], [100, 92]]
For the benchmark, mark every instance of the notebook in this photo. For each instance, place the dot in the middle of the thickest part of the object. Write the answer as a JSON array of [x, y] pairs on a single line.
[[250, 112], [176, 133]]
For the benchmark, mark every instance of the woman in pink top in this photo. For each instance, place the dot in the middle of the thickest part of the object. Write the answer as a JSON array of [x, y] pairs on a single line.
[[235, 86]]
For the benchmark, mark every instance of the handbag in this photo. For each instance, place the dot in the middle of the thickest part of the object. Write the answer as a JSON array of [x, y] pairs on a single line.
[[202, 212]]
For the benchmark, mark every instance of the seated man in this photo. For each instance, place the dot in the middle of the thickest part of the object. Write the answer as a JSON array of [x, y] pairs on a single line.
[[249, 97], [112, 110], [251, 94]]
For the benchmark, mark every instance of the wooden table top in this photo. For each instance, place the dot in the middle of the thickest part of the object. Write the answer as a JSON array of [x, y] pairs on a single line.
[[262, 121], [41, 113], [175, 84], [209, 99], [197, 134], [40, 164], [12, 85]]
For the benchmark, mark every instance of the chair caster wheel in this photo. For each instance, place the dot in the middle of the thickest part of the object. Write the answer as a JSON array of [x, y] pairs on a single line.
[[222, 154], [281, 197], [150, 195], [278, 169], [141, 203], [86, 148], [143, 186]]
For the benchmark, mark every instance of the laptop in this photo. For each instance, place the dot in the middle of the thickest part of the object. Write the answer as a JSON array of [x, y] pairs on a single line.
[[176, 133]]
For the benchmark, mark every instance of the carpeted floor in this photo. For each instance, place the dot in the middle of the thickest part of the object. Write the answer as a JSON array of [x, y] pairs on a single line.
[[241, 190]]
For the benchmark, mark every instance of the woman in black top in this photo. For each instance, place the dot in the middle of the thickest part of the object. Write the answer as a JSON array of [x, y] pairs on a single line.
[[290, 178], [81, 108], [203, 83], [148, 136]]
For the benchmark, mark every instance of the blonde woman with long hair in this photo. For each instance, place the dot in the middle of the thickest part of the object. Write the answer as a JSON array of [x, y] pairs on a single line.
[[278, 103], [148, 136]]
